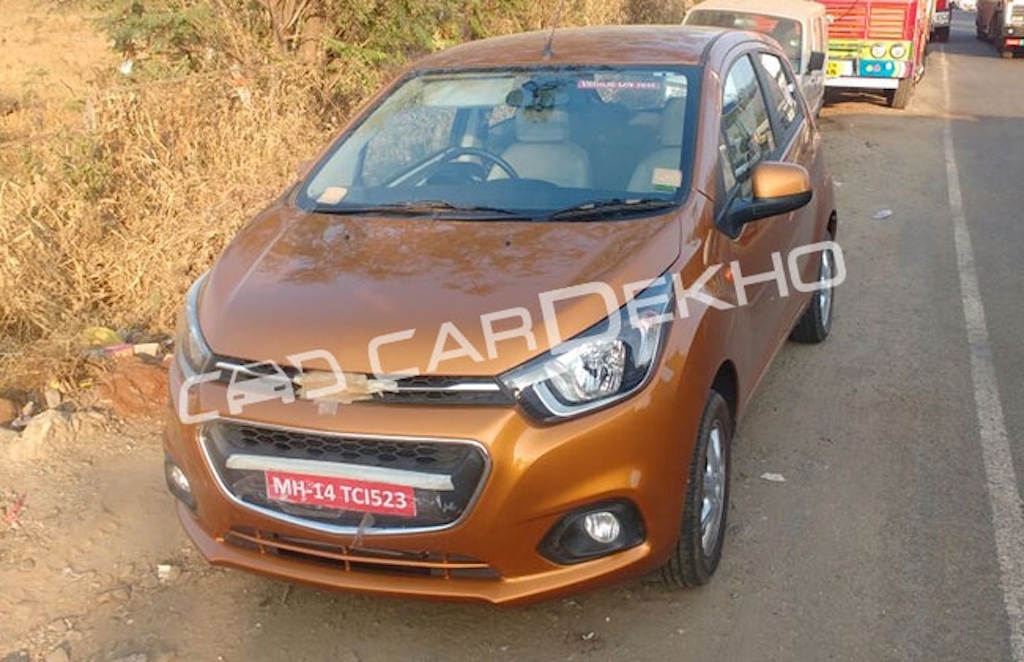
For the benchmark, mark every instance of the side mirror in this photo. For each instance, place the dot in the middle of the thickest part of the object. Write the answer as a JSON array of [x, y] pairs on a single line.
[[816, 61], [779, 188]]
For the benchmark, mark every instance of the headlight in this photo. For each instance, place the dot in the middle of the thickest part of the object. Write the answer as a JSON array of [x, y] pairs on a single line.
[[603, 365], [878, 51], [189, 345], [898, 51]]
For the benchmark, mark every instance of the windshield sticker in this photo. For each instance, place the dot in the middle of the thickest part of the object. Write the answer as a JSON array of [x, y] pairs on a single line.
[[618, 85], [667, 179], [332, 195]]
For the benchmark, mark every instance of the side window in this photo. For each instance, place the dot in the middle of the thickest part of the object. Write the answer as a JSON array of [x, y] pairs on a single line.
[[746, 128], [409, 137], [781, 92]]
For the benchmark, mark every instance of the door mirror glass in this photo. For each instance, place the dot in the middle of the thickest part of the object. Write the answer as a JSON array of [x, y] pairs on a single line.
[[816, 61]]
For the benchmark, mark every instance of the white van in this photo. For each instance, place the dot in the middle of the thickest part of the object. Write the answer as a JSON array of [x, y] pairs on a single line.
[[800, 26]]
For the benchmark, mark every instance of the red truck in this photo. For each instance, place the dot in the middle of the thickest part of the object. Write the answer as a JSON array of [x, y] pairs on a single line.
[[877, 45]]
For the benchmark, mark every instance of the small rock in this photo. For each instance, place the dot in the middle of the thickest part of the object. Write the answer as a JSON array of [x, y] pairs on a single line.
[[775, 478], [8, 411], [119, 594], [882, 214], [50, 429], [59, 626], [8, 106], [134, 657], [57, 655]]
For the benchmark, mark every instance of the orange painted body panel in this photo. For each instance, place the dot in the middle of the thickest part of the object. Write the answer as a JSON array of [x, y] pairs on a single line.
[[334, 283]]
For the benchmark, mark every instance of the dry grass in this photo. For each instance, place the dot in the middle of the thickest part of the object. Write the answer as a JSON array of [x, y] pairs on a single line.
[[106, 221]]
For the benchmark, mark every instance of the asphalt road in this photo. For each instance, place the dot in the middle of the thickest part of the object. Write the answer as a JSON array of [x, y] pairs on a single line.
[[881, 543]]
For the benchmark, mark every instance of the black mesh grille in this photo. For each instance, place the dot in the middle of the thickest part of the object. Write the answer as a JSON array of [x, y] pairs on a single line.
[[463, 463]]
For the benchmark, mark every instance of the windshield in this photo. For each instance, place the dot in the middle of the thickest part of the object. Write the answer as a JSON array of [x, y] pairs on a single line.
[[784, 30], [539, 143]]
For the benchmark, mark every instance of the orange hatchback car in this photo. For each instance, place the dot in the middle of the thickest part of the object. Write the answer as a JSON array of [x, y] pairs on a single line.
[[495, 343]]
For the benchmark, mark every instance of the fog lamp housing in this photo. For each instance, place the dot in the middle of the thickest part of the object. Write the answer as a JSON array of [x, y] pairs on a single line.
[[593, 531], [178, 483]]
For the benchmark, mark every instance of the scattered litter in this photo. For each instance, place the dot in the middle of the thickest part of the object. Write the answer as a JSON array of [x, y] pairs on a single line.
[[121, 349], [167, 573], [12, 511], [589, 636], [100, 336], [882, 214], [126, 67], [147, 349], [775, 478], [52, 398], [571, 603]]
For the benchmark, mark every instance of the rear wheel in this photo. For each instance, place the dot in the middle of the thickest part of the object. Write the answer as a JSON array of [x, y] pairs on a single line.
[[900, 97], [1007, 53], [816, 322], [702, 531], [941, 34]]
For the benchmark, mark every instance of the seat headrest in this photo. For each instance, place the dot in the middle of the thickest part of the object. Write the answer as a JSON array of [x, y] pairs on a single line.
[[672, 116], [549, 125]]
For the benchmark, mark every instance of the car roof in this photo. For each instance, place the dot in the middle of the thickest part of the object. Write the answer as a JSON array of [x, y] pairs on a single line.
[[598, 45], [781, 8]]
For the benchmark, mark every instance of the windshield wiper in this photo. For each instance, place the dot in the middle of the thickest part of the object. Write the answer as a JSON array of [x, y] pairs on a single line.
[[596, 208], [424, 207]]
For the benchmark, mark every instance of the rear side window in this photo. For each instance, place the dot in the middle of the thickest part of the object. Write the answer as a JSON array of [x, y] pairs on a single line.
[[780, 89]]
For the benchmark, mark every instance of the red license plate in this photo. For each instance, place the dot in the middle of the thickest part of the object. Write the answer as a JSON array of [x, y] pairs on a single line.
[[341, 493]]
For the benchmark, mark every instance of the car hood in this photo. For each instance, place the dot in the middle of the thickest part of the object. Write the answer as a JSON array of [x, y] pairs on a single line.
[[294, 282]]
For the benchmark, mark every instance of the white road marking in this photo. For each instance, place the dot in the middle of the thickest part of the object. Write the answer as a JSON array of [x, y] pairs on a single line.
[[1003, 492]]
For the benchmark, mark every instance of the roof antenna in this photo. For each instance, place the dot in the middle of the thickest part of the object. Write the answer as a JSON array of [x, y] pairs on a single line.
[[548, 50]]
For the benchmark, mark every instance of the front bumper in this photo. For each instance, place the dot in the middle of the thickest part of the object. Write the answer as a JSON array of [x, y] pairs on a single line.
[[636, 452]]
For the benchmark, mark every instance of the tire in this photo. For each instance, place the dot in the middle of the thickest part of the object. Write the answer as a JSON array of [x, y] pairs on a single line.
[[900, 97], [1007, 54], [978, 32], [942, 35], [699, 547], [815, 323]]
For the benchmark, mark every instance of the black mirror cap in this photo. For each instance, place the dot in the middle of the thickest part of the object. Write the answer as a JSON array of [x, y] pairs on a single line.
[[748, 211], [816, 62]]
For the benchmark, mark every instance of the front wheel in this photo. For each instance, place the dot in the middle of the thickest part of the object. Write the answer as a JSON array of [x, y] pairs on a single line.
[[702, 531]]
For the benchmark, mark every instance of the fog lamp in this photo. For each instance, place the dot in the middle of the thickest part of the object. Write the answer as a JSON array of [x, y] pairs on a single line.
[[602, 526], [178, 483], [593, 531]]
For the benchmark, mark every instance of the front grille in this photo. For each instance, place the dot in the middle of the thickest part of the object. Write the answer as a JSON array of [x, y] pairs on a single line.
[[886, 23], [847, 22], [463, 464], [359, 559], [851, 19], [422, 389]]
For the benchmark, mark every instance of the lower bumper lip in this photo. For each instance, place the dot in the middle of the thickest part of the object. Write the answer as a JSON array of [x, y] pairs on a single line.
[[519, 590]]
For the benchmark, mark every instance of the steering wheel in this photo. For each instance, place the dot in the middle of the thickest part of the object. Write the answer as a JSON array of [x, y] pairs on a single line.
[[455, 152]]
